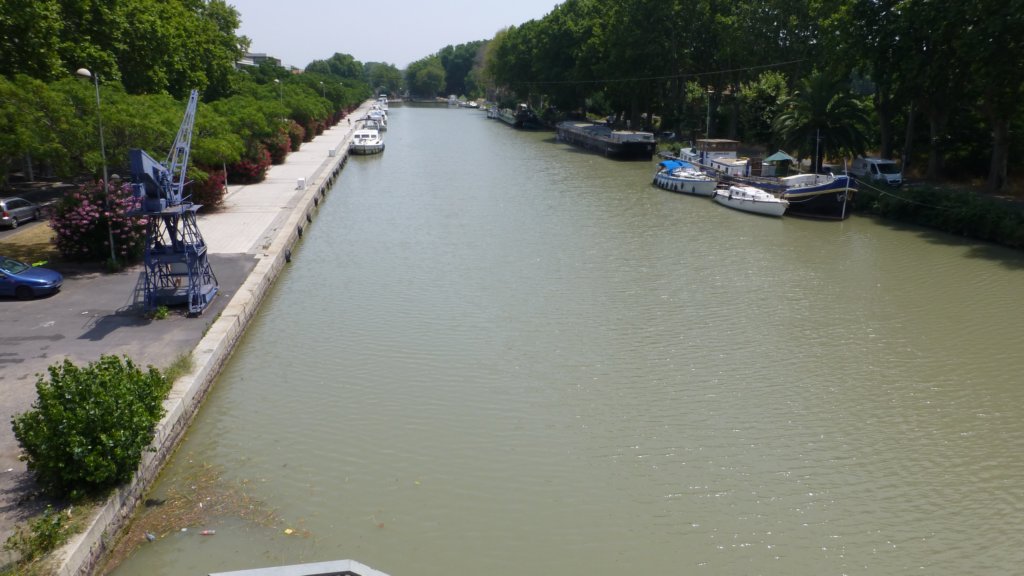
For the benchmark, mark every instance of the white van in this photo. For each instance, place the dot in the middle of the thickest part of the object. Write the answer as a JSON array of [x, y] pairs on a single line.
[[877, 170]]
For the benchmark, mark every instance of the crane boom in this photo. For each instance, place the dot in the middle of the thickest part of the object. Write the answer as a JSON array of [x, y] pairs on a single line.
[[177, 158], [163, 185]]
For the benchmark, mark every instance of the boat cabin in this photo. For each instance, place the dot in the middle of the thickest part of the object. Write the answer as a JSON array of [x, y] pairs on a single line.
[[332, 568]]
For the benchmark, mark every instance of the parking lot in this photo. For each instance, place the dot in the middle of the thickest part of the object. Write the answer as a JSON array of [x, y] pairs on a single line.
[[93, 314]]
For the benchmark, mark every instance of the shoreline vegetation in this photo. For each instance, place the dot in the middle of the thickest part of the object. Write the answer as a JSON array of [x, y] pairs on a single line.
[[959, 212]]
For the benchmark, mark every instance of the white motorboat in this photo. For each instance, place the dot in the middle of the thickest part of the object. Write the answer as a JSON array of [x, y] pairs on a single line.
[[679, 176], [366, 140], [379, 116], [751, 199]]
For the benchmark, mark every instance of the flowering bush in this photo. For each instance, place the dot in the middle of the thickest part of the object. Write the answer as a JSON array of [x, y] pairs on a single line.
[[248, 170], [297, 134], [208, 191], [85, 221], [279, 146]]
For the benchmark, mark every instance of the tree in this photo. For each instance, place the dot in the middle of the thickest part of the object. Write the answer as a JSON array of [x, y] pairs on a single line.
[[221, 49], [822, 118], [425, 77], [339, 65], [994, 48], [383, 77], [458, 62], [30, 33], [150, 46], [760, 102], [876, 41], [41, 128]]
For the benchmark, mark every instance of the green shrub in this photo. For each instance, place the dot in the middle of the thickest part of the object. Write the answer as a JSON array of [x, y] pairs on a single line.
[[89, 426]]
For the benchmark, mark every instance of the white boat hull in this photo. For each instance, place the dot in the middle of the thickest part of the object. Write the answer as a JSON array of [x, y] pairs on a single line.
[[366, 149], [749, 199], [695, 186]]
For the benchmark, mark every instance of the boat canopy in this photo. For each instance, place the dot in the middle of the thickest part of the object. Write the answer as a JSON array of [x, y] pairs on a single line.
[[780, 156], [673, 164]]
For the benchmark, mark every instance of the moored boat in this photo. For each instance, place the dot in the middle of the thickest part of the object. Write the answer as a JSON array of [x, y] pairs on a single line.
[[523, 118], [379, 116], [507, 115], [679, 176], [818, 195], [823, 196], [751, 199], [367, 139], [603, 139]]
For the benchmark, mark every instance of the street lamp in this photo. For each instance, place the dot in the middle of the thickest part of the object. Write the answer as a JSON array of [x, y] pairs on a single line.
[[85, 73], [707, 133], [279, 88], [323, 91]]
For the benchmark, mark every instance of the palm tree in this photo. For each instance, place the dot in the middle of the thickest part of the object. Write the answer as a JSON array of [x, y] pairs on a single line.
[[822, 118]]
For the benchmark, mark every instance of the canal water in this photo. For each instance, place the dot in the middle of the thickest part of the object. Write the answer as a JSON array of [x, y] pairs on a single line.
[[496, 355]]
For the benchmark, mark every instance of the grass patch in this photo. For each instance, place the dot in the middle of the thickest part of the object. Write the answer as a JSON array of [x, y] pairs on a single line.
[[31, 244], [181, 365], [34, 541]]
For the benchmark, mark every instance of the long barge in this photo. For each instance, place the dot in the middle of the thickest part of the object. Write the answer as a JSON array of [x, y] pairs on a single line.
[[603, 139]]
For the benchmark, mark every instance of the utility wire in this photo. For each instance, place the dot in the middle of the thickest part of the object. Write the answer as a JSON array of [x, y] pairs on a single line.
[[898, 197], [668, 77]]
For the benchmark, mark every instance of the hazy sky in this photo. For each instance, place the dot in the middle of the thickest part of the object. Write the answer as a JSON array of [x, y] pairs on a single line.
[[394, 31]]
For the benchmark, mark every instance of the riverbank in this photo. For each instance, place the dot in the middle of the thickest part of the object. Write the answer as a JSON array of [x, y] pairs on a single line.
[[256, 228], [964, 213]]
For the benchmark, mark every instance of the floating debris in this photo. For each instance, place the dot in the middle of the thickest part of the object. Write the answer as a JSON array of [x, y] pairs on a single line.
[[178, 510]]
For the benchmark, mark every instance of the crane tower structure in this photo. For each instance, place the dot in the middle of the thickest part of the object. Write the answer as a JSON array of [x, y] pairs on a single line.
[[177, 270]]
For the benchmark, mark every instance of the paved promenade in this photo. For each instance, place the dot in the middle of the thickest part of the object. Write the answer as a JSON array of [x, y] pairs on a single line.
[[250, 239]]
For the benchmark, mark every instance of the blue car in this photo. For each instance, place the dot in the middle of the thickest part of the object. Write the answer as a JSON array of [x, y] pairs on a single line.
[[26, 281]]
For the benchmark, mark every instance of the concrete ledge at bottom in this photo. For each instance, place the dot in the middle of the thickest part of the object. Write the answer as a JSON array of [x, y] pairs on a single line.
[[332, 568]]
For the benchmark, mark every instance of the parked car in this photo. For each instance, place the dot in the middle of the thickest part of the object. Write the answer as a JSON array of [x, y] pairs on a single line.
[[26, 281], [877, 170], [14, 211]]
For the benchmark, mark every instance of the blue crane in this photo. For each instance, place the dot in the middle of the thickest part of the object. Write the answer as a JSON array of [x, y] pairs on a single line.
[[177, 270]]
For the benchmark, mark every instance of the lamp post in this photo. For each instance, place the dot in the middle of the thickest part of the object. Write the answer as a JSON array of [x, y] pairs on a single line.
[[280, 89], [85, 73], [323, 91], [707, 133]]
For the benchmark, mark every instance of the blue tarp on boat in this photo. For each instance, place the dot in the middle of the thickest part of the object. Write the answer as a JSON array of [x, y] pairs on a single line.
[[673, 164]]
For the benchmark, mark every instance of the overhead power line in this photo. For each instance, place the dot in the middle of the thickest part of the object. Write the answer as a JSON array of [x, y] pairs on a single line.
[[667, 77]]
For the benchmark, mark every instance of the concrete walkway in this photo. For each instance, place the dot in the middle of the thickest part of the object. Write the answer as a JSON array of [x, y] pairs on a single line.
[[253, 215], [250, 238]]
